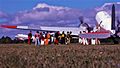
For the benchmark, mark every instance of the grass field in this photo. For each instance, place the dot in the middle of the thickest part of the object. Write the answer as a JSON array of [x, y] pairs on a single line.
[[59, 56]]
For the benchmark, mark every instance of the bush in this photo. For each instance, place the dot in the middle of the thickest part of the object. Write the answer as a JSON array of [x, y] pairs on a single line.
[[5, 40]]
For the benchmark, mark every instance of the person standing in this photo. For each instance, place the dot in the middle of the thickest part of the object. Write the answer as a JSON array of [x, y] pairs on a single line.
[[52, 38], [56, 41], [63, 38], [68, 38], [85, 40], [37, 42], [42, 38], [47, 38], [80, 39], [30, 38]]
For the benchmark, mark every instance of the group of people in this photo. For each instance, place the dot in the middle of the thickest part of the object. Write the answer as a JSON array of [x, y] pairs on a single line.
[[88, 41], [45, 38], [85, 41]]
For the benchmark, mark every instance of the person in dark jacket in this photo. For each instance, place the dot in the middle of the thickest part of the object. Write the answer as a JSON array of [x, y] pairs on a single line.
[[30, 38], [57, 37]]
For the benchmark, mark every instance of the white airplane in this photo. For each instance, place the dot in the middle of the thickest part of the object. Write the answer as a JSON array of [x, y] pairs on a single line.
[[106, 26], [104, 29], [23, 37], [75, 30]]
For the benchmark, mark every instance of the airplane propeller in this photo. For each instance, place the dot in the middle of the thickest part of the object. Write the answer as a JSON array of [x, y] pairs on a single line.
[[82, 22], [98, 25]]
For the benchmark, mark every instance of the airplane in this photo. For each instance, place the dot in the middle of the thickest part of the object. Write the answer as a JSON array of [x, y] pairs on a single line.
[[106, 26], [23, 37], [104, 29]]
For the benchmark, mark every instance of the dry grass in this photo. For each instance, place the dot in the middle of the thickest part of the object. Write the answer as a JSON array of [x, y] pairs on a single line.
[[63, 56]]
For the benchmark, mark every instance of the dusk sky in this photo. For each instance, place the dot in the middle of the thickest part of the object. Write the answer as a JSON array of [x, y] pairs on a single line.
[[11, 6]]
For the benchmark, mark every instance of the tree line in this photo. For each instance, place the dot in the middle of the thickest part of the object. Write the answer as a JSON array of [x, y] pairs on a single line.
[[8, 40]]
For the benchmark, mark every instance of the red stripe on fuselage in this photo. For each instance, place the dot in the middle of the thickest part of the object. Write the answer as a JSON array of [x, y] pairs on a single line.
[[5, 26], [97, 33]]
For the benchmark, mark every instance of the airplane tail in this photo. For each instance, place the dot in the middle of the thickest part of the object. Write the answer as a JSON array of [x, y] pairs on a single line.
[[113, 18]]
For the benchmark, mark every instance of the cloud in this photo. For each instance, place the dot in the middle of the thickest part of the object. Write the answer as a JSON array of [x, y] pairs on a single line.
[[3, 15], [47, 14], [107, 7]]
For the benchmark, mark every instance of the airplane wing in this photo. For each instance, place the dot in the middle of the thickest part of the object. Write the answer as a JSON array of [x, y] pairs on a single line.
[[25, 28], [74, 30], [99, 35]]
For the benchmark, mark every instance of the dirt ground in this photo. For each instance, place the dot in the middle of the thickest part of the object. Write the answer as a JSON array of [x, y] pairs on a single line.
[[59, 56]]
